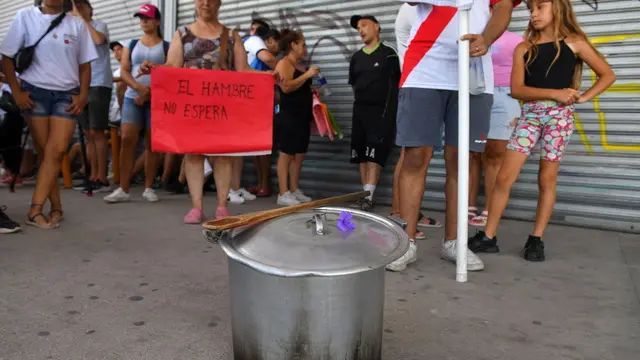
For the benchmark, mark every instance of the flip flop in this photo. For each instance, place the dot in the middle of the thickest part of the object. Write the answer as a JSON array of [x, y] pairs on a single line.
[[480, 220], [429, 223]]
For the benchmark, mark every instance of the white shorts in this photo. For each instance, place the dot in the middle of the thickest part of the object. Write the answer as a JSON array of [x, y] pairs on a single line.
[[505, 113]]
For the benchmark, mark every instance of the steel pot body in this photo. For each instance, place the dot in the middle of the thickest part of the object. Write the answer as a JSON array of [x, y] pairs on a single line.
[[306, 318], [304, 288]]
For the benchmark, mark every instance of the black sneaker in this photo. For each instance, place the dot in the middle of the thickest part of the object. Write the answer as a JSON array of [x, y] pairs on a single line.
[[480, 243], [84, 186], [7, 226], [363, 204], [101, 187], [534, 249]]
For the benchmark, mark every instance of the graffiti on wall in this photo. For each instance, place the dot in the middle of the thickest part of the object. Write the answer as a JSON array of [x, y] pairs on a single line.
[[629, 88], [338, 28], [317, 20], [593, 4]]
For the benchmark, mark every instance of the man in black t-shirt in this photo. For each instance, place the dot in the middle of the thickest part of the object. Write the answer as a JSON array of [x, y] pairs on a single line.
[[374, 74]]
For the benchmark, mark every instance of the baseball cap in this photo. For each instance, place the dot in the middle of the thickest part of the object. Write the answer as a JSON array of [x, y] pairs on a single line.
[[356, 18], [148, 10], [113, 44]]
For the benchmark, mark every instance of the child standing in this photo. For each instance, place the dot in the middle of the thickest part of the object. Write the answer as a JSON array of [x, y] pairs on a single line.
[[546, 74]]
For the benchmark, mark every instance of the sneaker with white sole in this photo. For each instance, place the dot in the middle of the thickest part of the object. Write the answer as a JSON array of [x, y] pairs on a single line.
[[287, 199], [410, 256], [450, 252], [117, 196], [300, 196], [246, 195], [150, 195], [235, 197]]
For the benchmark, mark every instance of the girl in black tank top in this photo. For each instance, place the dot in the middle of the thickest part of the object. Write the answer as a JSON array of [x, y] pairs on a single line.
[[293, 122], [546, 74]]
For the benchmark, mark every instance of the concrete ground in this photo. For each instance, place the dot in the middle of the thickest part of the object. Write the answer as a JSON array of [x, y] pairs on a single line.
[[130, 281]]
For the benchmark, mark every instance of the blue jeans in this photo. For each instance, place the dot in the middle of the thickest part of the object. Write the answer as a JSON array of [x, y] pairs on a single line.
[[49, 102], [135, 114]]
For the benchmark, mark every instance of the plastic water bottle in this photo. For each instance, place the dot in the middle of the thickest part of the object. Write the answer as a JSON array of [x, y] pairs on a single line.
[[322, 84]]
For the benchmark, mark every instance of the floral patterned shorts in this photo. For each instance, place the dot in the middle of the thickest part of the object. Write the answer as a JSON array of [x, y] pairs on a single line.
[[546, 122]]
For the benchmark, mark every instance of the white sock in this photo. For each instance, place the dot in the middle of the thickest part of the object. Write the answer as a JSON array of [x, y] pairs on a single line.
[[370, 188]]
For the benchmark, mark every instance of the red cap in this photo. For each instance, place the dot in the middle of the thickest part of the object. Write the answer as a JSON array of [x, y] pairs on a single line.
[[148, 10]]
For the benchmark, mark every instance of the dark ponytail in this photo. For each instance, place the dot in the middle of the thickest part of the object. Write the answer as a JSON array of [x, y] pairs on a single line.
[[288, 37]]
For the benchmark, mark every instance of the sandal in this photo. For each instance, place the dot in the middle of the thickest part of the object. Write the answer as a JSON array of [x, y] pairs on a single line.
[[472, 212], [480, 220], [31, 219], [396, 217], [427, 222], [60, 218]]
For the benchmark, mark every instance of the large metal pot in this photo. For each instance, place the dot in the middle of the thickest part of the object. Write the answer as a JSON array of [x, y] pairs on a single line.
[[302, 289]]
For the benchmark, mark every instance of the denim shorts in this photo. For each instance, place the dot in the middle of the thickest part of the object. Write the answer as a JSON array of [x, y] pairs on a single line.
[[504, 114], [49, 102], [135, 114]]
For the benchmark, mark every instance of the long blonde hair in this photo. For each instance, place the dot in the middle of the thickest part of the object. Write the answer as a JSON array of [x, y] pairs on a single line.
[[565, 23]]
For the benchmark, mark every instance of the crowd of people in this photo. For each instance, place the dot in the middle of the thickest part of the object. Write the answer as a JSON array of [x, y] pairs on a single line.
[[523, 90]]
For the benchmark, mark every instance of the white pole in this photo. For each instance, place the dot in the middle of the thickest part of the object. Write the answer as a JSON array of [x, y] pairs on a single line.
[[463, 146]]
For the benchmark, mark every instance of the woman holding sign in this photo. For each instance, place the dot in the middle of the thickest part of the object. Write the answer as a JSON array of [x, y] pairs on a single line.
[[206, 44], [293, 123]]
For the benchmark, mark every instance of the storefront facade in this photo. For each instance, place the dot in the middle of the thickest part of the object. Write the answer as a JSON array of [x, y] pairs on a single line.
[[599, 183]]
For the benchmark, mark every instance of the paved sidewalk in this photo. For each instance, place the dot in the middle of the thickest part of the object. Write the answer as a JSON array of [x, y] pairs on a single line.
[[130, 281]]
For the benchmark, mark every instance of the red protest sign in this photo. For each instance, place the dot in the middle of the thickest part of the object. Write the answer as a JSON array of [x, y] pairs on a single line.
[[211, 112]]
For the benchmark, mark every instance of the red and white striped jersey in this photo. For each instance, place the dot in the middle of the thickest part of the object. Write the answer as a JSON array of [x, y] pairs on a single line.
[[431, 60]]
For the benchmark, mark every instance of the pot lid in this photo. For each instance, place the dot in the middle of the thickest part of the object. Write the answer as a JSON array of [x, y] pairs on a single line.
[[310, 243]]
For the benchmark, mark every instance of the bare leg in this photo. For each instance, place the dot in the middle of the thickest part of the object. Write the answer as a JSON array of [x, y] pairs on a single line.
[[395, 202], [284, 163], [412, 182], [194, 173], [60, 132], [507, 176], [236, 178], [150, 163], [101, 156], [547, 182], [169, 165], [451, 193], [475, 177], [183, 177], [493, 156], [139, 164], [363, 173], [294, 174], [265, 172], [130, 136], [222, 175]]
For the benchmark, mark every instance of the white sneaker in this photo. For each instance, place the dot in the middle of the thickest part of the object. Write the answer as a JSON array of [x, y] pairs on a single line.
[[235, 197], [246, 195], [150, 195], [117, 196], [410, 256], [287, 199], [449, 252], [301, 197]]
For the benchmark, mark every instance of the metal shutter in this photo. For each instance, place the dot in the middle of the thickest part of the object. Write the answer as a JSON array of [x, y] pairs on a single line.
[[599, 184], [9, 10]]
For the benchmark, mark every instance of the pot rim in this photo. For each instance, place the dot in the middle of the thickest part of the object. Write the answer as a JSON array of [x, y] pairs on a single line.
[[226, 242]]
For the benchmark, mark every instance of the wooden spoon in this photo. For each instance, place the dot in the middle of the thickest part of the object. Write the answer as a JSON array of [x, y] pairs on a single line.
[[231, 222]]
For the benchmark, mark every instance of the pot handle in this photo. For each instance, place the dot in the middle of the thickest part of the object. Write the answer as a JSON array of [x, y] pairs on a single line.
[[212, 236], [320, 220]]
